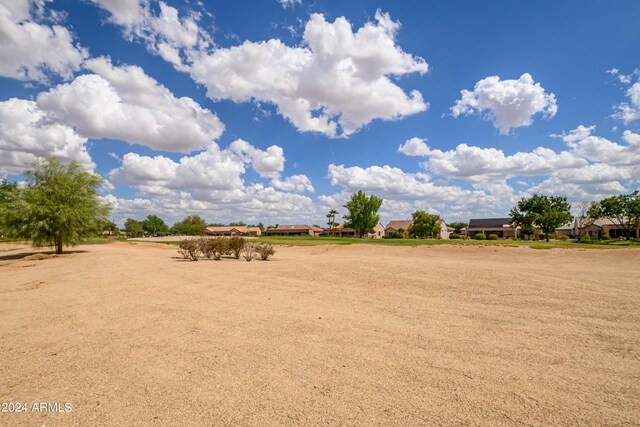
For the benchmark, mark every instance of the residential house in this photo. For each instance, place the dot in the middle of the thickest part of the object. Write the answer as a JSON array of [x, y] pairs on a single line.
[[342, 231], [378, 232], [395, 226], [233, 230], [502, 227], [294, 230], [600, 227], [566, 230]]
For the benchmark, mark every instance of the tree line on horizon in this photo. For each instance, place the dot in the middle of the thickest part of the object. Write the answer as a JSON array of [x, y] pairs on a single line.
[[59, 206]]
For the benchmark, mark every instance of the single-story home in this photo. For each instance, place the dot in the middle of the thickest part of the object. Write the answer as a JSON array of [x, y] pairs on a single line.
[[378, 232], [233, 230], [502, 227], [342, 231], [395, 226], [566, 230], [294, 230], [444, 229], [600, 227]]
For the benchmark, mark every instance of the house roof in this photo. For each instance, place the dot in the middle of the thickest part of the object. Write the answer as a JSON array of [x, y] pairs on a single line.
[[489, 223], [566, 227], [580, 222], [294, 228], [397, 225], [228, 229]]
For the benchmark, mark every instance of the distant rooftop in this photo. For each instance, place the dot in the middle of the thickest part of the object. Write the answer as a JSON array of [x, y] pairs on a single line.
[[489, 223]]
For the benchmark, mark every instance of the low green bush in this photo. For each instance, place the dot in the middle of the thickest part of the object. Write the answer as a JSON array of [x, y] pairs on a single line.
[[564, 237], [493, 237], [480, 236], [454, 236], [605, 237], [585, 238]]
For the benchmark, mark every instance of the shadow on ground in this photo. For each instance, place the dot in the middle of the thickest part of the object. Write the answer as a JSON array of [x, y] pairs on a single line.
[[34, 255]]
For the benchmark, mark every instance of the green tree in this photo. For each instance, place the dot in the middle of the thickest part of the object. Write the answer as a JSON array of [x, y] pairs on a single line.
[[59, 206], [543, 212], [458, 226], [331, 221], [623, 210], [133, 228], [424, 225], [192, 225], [363, 213], [155, 225], [8, 191]]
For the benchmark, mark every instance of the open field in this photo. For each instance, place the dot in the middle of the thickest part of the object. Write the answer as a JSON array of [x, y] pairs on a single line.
[[538, 244], [130, 334], [315, 241]]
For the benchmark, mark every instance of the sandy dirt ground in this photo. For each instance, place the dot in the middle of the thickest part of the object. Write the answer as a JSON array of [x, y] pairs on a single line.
[[129, 334]]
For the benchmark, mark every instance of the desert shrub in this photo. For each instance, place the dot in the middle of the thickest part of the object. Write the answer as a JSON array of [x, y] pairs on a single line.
[[190, 249], [585, 238], [605, 237], [205, 247], [480, 236], [493, 237], [563, 237], [454, 236], [235, 245], [213, 248], [248, 251], [265, 250]]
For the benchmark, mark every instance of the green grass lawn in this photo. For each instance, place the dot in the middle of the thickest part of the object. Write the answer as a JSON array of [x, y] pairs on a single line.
[[313, 241]]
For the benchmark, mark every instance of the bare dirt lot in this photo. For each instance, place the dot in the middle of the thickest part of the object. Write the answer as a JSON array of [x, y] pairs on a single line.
[[129, 334]]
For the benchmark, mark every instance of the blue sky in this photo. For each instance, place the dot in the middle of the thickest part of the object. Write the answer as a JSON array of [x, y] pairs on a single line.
[[276, 111]]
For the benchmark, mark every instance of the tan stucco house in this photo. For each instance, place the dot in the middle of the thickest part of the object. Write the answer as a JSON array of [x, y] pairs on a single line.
[[294, 230], [233, 230], [502, 227]]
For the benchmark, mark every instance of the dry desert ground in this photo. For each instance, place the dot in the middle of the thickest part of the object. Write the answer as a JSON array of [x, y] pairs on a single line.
[[128, 334]]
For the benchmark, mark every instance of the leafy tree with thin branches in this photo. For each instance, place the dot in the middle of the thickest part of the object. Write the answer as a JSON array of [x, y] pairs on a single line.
[[543, 212], [8, 191], [154, 225], [623, 210], [424, 225], [59, 206], [363, 213], [458, 226], [192, 225], [133, 228]]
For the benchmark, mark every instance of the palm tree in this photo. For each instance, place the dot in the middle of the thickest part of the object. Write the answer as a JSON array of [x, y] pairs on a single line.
[[331, 216]]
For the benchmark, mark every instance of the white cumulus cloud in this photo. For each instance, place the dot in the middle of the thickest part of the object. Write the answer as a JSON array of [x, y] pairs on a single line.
[[166, 33], [630, 111], [335, 82], [414, 147], [27, 133], [211, 170], [507, 103], [32, 50], [125, 103], [294, 183]]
